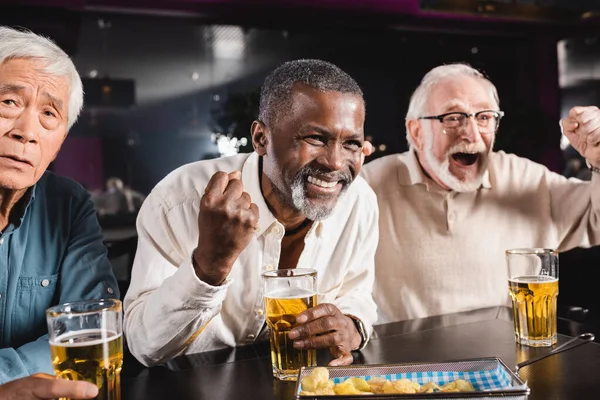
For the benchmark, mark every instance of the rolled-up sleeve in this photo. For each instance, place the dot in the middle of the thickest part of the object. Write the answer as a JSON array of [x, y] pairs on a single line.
[[167, 306]]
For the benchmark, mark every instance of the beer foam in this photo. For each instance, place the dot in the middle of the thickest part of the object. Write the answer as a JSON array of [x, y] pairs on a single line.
[[80, 338], [534, 279], [290, 293]]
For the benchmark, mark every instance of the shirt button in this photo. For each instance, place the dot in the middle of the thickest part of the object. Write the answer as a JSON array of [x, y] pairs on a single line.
[[2, 241], [45, 282], [110, 291], [251, 336], [269, 267], [451, 217], [276, 230], [259, 312], [0, 295]]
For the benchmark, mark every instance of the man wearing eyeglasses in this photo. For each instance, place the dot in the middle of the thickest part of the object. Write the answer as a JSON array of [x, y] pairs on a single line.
[[450, 206]]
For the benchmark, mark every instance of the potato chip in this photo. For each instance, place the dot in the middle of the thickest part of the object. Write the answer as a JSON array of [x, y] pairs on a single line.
[[376, 384], [429, 387], [318, 379]]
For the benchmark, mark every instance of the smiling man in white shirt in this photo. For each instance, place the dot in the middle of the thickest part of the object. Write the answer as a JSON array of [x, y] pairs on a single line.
[[209, 229]]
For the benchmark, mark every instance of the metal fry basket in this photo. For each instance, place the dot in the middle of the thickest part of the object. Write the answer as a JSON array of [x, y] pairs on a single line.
[[489, 376]]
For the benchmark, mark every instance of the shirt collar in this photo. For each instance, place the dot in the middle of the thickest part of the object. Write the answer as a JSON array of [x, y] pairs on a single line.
[[417, 175], [251, 181], [20, 210]]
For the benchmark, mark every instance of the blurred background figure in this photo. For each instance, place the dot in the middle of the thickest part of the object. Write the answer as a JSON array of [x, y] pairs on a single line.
[[118, 199]]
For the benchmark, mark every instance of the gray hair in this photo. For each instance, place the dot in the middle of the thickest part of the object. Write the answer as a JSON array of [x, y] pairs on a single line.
[[418, 101], [276, 92], [25, 44]]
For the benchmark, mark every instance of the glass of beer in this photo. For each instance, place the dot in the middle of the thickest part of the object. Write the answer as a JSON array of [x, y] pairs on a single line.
[[533, 288], [86, 344], [287, 293]]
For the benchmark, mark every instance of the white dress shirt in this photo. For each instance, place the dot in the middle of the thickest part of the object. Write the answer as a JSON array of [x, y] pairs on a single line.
[[442, 252], [169, 311]]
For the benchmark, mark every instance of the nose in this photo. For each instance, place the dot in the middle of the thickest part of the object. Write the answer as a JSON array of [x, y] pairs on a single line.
[[333, 158], [25, 128], [470, 131]]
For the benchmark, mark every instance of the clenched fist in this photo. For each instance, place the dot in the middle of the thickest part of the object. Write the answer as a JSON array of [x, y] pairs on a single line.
[[227, 223], [582, 128]]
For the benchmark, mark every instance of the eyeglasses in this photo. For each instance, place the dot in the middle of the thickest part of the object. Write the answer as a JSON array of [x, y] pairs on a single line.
[[455, 120]]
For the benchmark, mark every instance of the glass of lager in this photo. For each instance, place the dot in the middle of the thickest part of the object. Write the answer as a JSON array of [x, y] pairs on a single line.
[[287, 293], [86, 344], [533, 288]]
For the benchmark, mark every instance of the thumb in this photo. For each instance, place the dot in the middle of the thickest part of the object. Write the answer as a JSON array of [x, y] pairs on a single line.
[[343, 356]]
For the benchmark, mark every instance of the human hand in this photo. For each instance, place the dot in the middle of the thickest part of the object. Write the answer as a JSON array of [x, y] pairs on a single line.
[[44, 386], [335, 331], [582, 128], [227, 223]]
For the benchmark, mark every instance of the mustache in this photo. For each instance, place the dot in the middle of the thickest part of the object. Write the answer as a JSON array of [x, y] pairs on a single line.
[[477, 147], [345, 177]]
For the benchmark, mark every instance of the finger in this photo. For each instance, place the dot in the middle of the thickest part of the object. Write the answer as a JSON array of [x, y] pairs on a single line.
[[575, 111], [593, 136], [323, 341], [245, 200], [568, 125], [43, 375], [255, 216], [587, 116], [320, 311], [217, 183], [234, 189], [235, 175], [367, 148], [54, 388], [343, 356]]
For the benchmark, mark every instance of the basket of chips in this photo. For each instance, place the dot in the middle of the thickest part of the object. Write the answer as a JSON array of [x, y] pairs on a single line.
[[480, 378]]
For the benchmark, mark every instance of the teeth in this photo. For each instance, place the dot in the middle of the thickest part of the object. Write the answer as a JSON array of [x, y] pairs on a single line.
[[321, 183]]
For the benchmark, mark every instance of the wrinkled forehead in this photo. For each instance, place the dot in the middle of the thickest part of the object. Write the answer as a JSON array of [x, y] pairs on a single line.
[[461, 93]]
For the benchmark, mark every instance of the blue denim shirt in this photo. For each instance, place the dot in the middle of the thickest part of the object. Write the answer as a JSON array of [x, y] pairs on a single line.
[[51, 253]]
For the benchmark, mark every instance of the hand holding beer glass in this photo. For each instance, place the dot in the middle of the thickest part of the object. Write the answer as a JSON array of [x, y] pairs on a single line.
[[86, 343], [288, 292], [533, 288]]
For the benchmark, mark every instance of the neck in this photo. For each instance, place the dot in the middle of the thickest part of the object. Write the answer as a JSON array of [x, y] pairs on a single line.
[[8, 199], [288, 217]]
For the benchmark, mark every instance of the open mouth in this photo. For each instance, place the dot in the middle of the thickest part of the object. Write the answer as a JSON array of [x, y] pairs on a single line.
[[465, 159]]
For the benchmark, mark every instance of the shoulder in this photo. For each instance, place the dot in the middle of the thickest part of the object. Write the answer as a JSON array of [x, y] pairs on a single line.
[[57, 188], [187, 183], [379, 173], [507, 164], [360, 200]]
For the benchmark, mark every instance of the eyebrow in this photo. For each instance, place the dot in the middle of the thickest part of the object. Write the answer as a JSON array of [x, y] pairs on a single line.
[[328, 134], [7, 88], [454, 103], [54, 101]]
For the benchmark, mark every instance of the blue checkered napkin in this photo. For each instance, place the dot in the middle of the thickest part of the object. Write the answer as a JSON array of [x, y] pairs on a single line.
[[494, 379]]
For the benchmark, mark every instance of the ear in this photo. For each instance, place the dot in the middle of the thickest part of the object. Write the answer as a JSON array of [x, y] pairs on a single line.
[[259, 137], [415, 130]]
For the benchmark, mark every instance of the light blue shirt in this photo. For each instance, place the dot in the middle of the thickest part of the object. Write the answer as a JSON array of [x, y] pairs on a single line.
[[51, 252]]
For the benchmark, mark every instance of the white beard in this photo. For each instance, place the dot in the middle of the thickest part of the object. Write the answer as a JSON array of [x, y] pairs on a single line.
[[442, 169]]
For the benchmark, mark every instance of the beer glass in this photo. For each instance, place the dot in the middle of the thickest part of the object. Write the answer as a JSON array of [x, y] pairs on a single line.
[[533, 288], [86, 344], [287, 293]]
